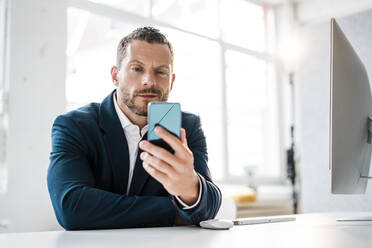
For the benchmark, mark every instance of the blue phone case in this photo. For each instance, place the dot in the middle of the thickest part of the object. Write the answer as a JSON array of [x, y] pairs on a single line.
[[167, 115]]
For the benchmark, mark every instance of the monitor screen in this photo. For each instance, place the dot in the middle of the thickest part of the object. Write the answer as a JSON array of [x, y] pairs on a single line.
[[350, 107]]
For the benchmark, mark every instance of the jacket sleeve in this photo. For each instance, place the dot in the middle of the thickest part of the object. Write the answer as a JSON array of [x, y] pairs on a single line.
[[210, 200], [78, 204]]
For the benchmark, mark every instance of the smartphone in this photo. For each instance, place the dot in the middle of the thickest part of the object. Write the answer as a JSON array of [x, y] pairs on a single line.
[[167, 115]]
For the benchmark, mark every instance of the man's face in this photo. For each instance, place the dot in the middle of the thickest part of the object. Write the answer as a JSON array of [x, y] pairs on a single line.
[[145, 76]]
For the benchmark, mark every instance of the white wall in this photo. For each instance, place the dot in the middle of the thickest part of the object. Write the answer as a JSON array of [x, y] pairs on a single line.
[[313, 89], [36, 96], [311, 11]]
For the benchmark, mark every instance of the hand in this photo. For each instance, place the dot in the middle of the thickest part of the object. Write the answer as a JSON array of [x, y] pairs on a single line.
[[174, 171]]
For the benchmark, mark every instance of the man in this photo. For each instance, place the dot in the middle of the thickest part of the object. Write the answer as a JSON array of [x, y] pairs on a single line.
[[104, 174]]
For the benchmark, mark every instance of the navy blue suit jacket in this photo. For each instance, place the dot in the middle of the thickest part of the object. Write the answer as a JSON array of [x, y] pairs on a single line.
[[88, 174]]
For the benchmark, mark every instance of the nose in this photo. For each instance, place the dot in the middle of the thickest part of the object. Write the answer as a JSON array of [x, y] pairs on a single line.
[[148, 79]]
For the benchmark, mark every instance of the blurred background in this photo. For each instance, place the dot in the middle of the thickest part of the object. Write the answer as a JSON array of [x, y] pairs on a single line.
[[251, 69]]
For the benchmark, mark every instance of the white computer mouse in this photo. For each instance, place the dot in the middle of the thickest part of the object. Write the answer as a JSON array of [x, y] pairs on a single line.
[[217, 224]]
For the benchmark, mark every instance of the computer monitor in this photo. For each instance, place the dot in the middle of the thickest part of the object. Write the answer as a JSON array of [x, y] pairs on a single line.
[[350, 111]]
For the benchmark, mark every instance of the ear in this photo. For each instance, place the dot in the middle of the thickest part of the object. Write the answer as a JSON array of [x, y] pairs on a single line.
[[172, 80], [114, 75]]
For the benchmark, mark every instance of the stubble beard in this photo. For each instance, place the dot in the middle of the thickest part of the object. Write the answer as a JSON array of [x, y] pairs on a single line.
[[128, 98]]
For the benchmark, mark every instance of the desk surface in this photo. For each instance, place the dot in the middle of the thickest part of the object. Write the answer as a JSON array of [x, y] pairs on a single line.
[[309, 230]]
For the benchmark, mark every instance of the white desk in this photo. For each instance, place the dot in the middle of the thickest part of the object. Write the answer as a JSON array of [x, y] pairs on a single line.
[[309, 230]]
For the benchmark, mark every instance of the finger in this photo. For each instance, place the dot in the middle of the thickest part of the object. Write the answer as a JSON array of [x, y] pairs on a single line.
[[159, 153], [157, 164], [169, 138], [158, 175], [183, 137]]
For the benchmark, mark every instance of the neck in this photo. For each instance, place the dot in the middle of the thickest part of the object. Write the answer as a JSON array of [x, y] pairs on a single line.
[[138, 120]]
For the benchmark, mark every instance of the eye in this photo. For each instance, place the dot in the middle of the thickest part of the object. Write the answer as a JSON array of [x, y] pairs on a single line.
[[136, 69], [161, 72]]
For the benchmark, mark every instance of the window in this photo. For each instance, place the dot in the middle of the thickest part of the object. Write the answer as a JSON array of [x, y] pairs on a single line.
[[250, 91], [243, 24], [3, 96], [194, 16], [91, 49], [225, 71]]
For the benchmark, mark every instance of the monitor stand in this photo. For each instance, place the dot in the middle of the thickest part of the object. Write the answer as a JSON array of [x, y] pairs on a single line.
[[364, 218]]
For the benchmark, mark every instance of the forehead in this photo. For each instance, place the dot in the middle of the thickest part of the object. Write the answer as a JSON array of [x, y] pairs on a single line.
[[158, 54]]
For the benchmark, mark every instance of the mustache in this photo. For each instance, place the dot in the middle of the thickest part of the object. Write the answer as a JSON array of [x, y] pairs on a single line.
[[148, 91]]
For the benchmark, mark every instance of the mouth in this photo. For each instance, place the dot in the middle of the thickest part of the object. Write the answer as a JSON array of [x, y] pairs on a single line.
[[148, 96]]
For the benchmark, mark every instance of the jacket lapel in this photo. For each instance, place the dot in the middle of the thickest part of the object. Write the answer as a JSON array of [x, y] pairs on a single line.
[[140, 176], [116, 144]]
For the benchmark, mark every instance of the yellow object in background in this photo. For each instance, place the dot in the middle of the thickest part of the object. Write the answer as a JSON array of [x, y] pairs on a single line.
[[247, 197]]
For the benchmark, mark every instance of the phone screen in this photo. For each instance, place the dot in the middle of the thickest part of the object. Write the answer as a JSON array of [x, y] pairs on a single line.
[[167, 115]]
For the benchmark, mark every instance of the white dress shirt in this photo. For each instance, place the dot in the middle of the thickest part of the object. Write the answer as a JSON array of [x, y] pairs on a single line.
[[134, 136]]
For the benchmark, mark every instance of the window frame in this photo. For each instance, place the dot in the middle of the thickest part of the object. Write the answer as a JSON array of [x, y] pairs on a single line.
[[122, 15]]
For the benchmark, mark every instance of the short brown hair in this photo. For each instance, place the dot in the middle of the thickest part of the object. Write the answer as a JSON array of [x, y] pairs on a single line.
[[148, 34]]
